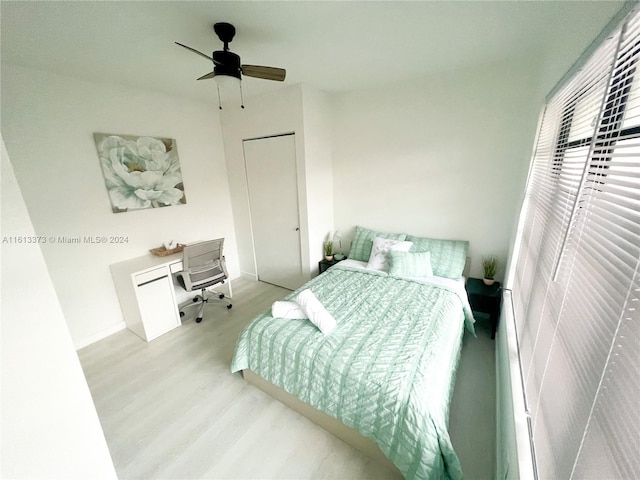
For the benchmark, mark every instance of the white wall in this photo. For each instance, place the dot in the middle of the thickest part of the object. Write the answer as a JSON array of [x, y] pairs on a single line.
[[443, 157], [50, 428], [48, 123], [318, 147], [303, 111]]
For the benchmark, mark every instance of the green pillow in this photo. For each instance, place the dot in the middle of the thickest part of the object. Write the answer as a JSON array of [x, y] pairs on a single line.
[[363, 242], [407, 264], [448, 257]]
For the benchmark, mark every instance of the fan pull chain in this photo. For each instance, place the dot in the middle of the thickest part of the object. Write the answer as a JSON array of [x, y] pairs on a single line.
[[219, 101], [241, 97]]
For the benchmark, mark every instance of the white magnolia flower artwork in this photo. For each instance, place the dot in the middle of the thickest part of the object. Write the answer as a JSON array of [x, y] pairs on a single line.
[[140, 172]]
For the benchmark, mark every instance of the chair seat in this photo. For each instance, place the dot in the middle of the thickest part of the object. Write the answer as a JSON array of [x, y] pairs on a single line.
[[218, 280]]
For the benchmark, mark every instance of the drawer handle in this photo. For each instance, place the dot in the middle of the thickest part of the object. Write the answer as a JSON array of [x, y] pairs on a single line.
[[151, 281]]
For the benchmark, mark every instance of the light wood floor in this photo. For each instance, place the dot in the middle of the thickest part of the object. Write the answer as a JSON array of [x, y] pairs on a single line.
[[171, 409]]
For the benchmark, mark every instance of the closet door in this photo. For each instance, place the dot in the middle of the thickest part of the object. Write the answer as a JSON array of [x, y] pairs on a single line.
[[273, 198]]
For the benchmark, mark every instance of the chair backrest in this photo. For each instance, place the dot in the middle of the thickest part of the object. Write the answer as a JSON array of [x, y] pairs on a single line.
[[203, 264]]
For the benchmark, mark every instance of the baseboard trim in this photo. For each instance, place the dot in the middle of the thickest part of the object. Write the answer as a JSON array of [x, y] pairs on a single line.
[[85, 342], [250, 276]]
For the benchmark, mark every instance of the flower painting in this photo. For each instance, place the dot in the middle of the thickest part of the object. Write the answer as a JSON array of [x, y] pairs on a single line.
[[140, 172]]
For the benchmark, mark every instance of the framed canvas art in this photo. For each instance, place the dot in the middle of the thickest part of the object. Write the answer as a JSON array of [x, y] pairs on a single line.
[[140, 172]]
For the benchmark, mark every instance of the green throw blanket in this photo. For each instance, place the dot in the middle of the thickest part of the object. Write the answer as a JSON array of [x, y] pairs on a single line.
[[387, 370]]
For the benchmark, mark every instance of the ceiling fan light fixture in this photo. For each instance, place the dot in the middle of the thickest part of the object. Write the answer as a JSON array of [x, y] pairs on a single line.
[[227, 81]]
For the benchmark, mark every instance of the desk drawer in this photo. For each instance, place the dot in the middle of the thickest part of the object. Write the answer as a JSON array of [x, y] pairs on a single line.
[[150, 276], [175, 267]]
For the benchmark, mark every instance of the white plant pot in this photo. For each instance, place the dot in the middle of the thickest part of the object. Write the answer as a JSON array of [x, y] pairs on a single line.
[[488, 281]]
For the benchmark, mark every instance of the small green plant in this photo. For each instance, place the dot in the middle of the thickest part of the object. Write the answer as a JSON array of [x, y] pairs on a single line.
[[327, 246], [489, 266]]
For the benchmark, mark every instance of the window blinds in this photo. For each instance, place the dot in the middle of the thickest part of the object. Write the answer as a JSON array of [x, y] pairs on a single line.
[[576, 274]]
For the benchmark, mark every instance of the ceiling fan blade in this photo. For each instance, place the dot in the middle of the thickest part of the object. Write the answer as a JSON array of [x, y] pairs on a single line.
[[196, 51], [267, 73], [207, 76]]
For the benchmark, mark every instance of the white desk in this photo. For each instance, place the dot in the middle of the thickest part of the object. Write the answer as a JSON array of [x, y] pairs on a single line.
[[147, 297]]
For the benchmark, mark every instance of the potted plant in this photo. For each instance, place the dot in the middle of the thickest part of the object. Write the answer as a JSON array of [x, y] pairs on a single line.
[[489, 268], [327, 246]]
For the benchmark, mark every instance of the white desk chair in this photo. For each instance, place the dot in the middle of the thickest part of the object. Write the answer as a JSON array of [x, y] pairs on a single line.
[[203, 267]]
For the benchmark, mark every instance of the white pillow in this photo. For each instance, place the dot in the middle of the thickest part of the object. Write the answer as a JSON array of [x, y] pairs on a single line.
[[316, 312], [381, 246]]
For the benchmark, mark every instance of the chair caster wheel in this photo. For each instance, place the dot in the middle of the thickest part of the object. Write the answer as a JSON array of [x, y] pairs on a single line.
[[182, 314], [221, 296], [229, 307], [198, 320]]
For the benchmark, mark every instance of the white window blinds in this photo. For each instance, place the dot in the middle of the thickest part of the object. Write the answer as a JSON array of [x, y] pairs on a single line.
[[576, 282]]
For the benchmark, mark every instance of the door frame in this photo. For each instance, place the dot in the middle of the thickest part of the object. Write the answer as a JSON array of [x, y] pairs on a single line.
[[302, 201]]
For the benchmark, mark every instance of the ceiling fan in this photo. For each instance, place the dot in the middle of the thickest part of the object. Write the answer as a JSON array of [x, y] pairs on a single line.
[[227, 64]]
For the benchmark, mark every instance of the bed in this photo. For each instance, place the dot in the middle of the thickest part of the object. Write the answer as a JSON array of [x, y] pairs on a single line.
[[386, 371]]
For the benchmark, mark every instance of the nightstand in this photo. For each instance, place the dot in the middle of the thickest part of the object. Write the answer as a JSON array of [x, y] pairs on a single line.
[[485, 299], [324, 263]]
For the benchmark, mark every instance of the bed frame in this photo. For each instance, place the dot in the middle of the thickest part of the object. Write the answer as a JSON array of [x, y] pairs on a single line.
[[330, 424]]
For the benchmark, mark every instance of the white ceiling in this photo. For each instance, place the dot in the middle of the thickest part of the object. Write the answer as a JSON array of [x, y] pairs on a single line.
[[333, 46]]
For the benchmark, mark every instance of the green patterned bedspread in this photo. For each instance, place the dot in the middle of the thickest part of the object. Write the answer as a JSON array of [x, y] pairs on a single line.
[[387, 370]]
